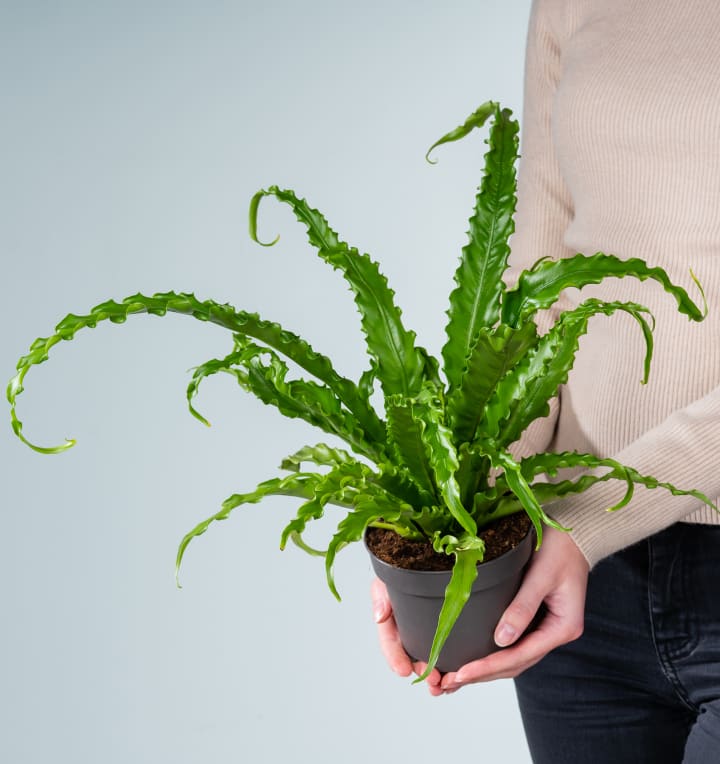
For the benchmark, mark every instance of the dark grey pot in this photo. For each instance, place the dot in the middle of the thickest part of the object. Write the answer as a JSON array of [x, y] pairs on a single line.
[[417, 596]]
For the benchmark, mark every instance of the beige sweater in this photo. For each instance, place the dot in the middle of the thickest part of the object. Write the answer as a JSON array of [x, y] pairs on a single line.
[[621, 154]]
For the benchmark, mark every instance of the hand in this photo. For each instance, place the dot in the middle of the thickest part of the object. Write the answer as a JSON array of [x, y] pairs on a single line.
[[557, 576], [390, 644]]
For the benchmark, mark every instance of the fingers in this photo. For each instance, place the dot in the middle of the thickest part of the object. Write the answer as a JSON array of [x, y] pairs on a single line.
[[433, 681], [390, 644], [382, 609], [521, 611], [512, 661], [557, 578], [392, 648]]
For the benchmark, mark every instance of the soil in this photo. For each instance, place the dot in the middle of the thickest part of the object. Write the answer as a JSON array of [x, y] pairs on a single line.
[[499, 537]]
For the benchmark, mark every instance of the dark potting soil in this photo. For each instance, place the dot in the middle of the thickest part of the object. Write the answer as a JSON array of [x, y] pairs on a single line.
[[499, 537]]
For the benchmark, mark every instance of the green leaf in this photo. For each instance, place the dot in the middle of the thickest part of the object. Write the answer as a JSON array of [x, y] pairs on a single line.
[[472, 475], [366, 383], [432, 369], [450, 544], [428, 411], [298, 398], [429, 521], [545, 493], [339, 486], [477, 119], [300, 484], [368, 509], [475, 301], [390, 478], [240, 322], [457, 593], [493, 354], [400, 365], [320, 454], [651, 482], [550, 463], [397, 481], [519, 485], [300, 544], [540, 286], [405, 439], [523, 394]]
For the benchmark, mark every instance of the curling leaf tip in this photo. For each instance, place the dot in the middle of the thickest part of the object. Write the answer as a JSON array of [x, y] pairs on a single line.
[[69, 443], [17, 429], [428, 152], [253, 216], [199, 416], [697, 283], [476, 119]]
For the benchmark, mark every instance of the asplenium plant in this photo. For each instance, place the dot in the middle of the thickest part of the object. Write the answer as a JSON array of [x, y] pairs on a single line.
[[435, 464]]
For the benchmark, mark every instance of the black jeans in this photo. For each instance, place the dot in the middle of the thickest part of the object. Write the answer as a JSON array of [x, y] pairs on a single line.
[[643, 682]]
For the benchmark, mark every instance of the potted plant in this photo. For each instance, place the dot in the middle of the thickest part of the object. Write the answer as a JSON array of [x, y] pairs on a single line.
[[435, 469]]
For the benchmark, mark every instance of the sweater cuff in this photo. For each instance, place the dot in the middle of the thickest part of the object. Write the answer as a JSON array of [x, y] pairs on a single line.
[[599, 533]]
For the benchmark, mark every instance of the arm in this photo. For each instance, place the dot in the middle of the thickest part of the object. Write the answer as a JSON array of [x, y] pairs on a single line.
[[545, 207], [684, 450]]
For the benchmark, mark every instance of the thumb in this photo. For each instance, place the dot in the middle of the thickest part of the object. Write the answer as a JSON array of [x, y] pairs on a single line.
[[519, 613], [382, 610]]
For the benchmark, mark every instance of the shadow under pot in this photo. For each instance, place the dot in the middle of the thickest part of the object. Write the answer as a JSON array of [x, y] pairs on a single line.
[[417, 597]]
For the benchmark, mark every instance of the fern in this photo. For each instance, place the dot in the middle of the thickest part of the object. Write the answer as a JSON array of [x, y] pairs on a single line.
[[437, 467]]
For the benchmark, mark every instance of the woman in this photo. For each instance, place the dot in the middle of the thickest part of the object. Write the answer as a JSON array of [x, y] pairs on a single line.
[[621, 154]]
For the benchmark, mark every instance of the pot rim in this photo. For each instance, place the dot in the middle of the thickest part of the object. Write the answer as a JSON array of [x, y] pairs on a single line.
[[488, 572]]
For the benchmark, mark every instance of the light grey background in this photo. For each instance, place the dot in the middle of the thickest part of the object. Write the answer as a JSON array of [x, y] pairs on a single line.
[[133, 135]]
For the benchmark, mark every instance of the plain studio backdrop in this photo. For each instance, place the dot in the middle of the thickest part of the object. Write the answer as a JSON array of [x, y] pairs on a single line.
[[133, 136]]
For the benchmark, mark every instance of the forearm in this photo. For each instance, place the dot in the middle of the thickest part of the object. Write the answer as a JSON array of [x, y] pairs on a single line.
[[683, 450]]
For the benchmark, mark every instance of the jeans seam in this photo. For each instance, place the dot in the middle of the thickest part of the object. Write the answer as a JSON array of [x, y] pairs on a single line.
[[692, 633], [664, 661]]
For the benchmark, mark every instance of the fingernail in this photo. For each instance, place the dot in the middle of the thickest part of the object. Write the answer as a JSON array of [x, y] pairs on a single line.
[[505, 635]]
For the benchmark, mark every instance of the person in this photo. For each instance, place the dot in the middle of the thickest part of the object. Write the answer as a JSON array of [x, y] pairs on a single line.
[[620, 154]]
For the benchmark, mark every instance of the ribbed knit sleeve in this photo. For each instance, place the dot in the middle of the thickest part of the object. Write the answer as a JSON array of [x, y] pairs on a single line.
[[619, 154], [544, 208], [684, 450]]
